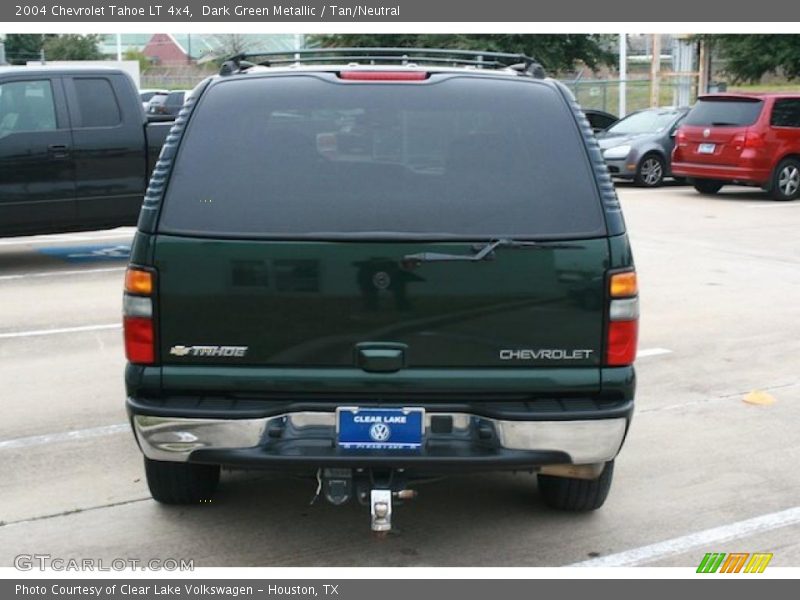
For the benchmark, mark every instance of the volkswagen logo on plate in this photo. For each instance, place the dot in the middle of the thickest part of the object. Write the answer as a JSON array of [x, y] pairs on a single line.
[[380, 432], [706, 133], [381, 280]]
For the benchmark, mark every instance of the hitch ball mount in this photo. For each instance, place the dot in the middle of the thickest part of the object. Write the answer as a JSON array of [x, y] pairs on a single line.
[[377, 489]]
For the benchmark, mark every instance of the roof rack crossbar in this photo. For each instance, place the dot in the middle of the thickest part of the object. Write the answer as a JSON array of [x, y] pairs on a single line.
[[498, 60], [389, 59]]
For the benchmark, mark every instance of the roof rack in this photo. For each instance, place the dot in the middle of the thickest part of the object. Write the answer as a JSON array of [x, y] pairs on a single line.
[[478, 59]]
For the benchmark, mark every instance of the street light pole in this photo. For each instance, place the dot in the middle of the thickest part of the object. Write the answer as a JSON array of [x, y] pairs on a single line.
[[623, 74]]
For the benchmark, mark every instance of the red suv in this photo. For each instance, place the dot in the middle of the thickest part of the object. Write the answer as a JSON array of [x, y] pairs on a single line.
[[741, 139]]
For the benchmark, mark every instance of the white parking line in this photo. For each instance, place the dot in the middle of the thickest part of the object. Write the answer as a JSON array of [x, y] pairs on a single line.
[[684, 543], [66, 238], [64, 436], [59, 273], [774, 205], [652, 352], [38, 332]]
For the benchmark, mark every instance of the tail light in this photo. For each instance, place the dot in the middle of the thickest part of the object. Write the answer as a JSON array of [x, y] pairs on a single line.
[[753, 140], [747, 140], [137, 316], [623, 319]]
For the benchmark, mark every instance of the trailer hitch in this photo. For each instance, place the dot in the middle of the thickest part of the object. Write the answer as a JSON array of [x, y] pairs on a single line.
[[378, 490]]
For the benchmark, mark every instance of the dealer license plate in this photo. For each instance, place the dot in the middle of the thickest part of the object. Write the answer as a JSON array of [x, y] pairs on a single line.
[[380, 428]]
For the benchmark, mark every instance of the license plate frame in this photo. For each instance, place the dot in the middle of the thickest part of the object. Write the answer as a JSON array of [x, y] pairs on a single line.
[[394, 428], [706, 148]]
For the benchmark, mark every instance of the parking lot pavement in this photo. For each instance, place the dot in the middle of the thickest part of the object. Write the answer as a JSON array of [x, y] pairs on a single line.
[[703, 470]]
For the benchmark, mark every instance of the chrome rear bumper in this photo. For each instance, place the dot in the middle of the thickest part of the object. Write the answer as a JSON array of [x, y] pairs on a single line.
[[590, 441]]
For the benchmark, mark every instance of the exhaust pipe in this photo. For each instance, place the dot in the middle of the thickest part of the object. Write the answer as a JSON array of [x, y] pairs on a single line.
[[575, 471]]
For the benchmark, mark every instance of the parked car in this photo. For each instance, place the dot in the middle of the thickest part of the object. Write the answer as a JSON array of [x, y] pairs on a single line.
[[76, 150], [454, 292], [167, 103], [639, 147], [742, 139], [599, 120], [147, 95]]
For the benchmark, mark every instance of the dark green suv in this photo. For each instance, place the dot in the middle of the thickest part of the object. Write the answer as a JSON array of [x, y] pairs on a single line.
[[379, 272]]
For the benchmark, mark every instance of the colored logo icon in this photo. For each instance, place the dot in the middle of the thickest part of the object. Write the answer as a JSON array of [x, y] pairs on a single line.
[[735, 562]]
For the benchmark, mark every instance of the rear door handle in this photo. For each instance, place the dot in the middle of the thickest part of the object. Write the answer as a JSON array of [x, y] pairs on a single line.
[[58, 150]]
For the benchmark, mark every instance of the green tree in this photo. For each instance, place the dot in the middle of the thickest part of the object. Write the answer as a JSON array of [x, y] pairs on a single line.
[[751, 56], [557, 53], [72, 47], [140, 57], [22, 47]]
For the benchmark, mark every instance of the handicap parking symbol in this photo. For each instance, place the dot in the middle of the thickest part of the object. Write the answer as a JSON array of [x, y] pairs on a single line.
[[104, 252]]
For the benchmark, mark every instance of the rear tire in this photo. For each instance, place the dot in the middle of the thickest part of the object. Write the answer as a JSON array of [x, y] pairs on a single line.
[[577, 495], [650, 171], [786, 180], [708, 186], [181, 483]]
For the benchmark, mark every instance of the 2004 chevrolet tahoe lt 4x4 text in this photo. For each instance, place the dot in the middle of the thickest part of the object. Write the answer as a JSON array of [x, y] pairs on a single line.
[[380, 272]]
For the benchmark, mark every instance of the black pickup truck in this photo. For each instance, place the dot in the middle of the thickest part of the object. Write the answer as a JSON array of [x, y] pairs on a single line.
[[76, 149]]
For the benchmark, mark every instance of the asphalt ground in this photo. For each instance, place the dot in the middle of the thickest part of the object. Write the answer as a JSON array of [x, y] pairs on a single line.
[[710, 464]]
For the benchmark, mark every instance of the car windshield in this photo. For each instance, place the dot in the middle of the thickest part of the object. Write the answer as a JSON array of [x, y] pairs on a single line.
[[646, 121], [308, 155], [723, 112]]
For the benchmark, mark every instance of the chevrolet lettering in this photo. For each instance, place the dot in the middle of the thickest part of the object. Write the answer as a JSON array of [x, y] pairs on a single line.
[[215, 351], [417, 268], [547, 354]]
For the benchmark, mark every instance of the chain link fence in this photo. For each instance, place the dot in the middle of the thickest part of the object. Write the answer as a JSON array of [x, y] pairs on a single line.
[[174, 78], [603, 94], [598, 94]]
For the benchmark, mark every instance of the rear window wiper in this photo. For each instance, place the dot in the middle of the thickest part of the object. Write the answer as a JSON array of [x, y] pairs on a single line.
[[484, 253], [724, 124]]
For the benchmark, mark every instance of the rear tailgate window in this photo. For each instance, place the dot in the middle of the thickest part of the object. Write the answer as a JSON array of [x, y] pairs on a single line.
[[724, 112], [312, 156]]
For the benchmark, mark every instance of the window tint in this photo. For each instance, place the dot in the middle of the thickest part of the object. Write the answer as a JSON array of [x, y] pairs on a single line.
[[718, 112], [97, 102], [646, 121], [600, 121], [27, 106], [786, 113], [304, 155]]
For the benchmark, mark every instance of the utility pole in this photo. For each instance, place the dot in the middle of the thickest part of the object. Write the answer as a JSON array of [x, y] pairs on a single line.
[[2, 49], [655, 71], [119, 47], [623, 74], [704, 70]]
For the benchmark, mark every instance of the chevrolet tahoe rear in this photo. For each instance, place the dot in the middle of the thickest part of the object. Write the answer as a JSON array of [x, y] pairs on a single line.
[[373, 274]]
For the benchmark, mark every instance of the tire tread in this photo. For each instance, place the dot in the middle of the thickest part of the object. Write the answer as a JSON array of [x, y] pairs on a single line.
[[180, 483], [579, 495]]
